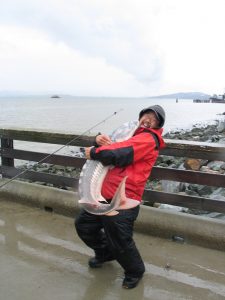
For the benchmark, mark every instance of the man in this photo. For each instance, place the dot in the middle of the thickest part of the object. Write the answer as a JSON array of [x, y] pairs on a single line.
[[111, 237]]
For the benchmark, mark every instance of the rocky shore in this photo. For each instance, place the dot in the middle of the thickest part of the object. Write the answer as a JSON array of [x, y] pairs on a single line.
[[208, 133]]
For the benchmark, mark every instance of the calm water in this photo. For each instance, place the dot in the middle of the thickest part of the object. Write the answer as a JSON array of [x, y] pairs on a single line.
[[76, 115]]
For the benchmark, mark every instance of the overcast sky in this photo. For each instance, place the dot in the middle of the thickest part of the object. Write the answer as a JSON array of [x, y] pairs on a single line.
[[112, 47]]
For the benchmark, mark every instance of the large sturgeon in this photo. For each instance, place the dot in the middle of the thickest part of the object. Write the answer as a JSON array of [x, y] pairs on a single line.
[[93, 174]]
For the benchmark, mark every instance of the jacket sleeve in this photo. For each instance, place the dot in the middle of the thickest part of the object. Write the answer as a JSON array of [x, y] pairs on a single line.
[[124, 153]]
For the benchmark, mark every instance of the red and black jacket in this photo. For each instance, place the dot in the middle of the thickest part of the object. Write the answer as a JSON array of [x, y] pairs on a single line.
[[134, 158]]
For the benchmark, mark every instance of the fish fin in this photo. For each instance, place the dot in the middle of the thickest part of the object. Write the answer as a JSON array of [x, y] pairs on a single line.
[[120, 192], [125, 203], [112, 213], [128, 203]]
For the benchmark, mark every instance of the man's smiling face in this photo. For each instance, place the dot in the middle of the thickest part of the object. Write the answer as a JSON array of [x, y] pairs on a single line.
[[149, 120]]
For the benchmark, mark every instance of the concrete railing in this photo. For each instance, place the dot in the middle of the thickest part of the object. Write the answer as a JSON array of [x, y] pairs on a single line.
[[176, 226]]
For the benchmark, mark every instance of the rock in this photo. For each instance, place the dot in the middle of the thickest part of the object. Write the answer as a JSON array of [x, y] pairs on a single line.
[[215, 165], [164, 165], [167, 159], [44, 170], [170, 186], [196, 138], [215, 215], [191, 189], [178, 239], [221, 126], [205, 169], [215, 138], [192, 164], [218, 192], [205, 190], [173, 207], [221, 141], [173, 166], [191, 193], [58, 168], [199, 190]]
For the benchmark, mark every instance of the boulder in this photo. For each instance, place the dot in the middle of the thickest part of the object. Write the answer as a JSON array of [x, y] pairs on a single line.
[[215, 165], [221, 126], [193, 164]]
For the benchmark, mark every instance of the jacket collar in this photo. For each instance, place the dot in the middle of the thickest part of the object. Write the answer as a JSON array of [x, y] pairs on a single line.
[[157, 131]]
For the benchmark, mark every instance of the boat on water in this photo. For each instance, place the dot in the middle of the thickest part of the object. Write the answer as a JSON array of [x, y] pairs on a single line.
[[55, 96]]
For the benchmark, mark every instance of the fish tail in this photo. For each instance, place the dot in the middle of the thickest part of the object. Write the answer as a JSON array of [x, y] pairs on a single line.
[[120, 195], [121, 199]]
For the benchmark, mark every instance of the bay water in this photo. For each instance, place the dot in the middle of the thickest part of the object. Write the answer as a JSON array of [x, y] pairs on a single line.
[[78, 114]]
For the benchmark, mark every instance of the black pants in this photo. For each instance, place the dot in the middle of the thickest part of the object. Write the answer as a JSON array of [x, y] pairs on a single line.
[[112, 236]]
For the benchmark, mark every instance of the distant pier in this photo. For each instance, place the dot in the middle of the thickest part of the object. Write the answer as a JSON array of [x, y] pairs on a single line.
[[201, 101], [213, 99]]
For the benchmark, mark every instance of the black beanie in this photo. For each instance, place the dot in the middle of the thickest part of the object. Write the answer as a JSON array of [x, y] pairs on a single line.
[[159, 112]]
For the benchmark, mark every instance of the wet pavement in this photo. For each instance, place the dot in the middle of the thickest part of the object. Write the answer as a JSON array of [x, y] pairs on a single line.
[[41, 257]]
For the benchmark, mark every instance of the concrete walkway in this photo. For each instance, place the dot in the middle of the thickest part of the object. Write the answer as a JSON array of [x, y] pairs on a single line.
[[41, 257]]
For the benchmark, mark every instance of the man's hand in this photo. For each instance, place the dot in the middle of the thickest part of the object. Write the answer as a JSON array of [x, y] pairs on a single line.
[[103, 140], [88, 152]]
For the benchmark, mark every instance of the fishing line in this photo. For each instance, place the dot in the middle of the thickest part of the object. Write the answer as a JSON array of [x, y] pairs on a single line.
[[57, 150]]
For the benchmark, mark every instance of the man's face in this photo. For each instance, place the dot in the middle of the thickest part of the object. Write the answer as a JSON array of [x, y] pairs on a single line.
[[149, 120]]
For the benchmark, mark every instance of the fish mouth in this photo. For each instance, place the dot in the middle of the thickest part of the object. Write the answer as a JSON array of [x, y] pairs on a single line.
[[145, 125]]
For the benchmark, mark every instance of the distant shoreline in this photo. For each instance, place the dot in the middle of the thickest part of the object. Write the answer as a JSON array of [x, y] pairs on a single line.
[[181, 95]]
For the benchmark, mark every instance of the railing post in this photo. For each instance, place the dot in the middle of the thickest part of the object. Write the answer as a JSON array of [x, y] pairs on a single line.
[[6, 143]]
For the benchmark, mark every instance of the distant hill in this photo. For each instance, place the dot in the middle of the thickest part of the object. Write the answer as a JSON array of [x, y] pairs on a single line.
[[190, 95]]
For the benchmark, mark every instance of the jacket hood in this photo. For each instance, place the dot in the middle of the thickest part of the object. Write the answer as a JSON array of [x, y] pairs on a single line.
[[159, 112]]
